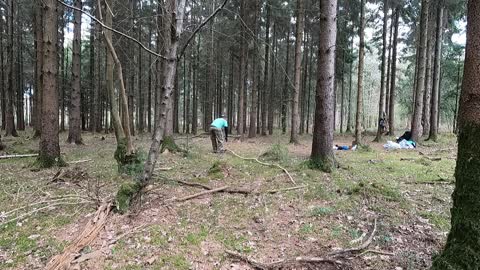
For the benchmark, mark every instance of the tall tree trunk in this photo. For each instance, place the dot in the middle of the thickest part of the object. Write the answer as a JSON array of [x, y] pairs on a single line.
[[429, 72], [361, 59], [310, 76], [298, 69], [462, 249], [322, 152], [389, 67], [20, 76], [3, 88], [37, 95], [12, 86], [383, 84], [195, 90], [420, 89], [49, 150], [436, 75], [141, 94], [241, 83], [173, 27], [393, 74], [271, 91], [252, 131], [350, 90], [74, 131], [285, 94], [266, 80]]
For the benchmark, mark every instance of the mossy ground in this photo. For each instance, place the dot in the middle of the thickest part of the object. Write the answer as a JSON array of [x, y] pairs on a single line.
[[333, 210]]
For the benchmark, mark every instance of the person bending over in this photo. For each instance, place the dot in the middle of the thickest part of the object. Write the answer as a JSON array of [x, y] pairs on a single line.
[[219, 133]]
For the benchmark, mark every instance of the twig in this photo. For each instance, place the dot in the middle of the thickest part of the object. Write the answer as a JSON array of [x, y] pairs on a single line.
[[265, 164], [359, 248], [72, 197], [197, 194], [18, 156], [163, 169], [286, 189], [438, 182]]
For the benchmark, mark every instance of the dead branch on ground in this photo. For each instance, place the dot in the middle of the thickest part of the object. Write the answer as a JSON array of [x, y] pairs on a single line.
[[282, 263], [197, 195], [18, 156]]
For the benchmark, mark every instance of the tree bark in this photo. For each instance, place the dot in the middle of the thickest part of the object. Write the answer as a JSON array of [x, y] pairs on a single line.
[[266, 80], [74, 131], [241, 83], [173, 27], [285, 94], [252, 131], [393, 74], [10, 117], [37, 95], [383, 83], [420, 85], [429, 72], [350, 90], [49, 150], [462, 249], [322, 152], [271, 91], [361, 59], [298, 71], [433, 135]]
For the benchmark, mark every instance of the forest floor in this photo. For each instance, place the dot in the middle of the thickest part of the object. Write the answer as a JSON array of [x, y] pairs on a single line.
[[407, 192]]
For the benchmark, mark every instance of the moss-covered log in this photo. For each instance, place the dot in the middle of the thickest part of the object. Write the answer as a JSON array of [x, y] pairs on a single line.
[[126, 195]]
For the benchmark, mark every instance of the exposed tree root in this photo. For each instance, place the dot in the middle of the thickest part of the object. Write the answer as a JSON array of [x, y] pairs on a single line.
[[265, 164], [86, 237]]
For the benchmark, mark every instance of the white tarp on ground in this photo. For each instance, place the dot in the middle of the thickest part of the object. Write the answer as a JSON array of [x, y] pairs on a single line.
[[404, 144]]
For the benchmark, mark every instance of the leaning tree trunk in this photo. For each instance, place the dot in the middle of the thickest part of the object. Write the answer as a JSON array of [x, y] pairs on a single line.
[[322, 153], [74, 128], [49, 150], [420, 84], [361, 59], [123, 132], [298, 71], [383, 84], [173, 27], [393, 76], [462, 250], [436, 76]]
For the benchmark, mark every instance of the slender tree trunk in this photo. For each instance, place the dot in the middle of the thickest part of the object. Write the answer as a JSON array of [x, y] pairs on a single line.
[[173, 27], [273, 64], [322, 152], [310, 72], [383, 84], [3, 87], [389, 67], [361, 59], [241, 83], [429, 72], [350, 90], [285, 95], [10, 118], [195, 90], [252, 131], [49, 150], [93, 75], [393, 79], [74, 131], [462, 249], [436, 75], [37, 95], [298, 67], [420, 89], [20, 76], [266, 80]]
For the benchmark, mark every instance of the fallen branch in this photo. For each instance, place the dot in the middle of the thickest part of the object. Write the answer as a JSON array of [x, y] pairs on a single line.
[[273, 191], [281, 263], [85, 238], [238, 191], [80, 161], [415, 159], [265, 164], [359, 248], [437, 182], [18, 156], [380, 252], [197, 194]]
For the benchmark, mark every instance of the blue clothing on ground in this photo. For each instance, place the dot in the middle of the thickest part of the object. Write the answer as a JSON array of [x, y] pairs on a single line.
[[219, 123]]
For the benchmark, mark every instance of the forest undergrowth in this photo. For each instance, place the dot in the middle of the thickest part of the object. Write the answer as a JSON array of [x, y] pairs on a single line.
[[406, 193]]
